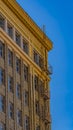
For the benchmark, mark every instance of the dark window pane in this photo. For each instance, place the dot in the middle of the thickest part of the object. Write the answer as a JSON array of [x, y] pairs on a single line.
[[19, 117], [2, 51], [41, 87], [25, 73], [10, 84], [1, 76], [18, 65], [25, 46], [18, 91], [36, 82], [17, 38], [2, 103], [10, 30], [26, 100], [38, 60], [2, 22], [37, 107], [10, 58], [26, 123], [10, 110]]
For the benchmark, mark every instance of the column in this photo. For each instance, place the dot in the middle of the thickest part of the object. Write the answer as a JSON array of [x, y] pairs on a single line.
[[6, 25], [6, 85]]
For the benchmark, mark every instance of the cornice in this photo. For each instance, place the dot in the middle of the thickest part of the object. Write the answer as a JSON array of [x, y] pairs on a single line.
[[29, 23]]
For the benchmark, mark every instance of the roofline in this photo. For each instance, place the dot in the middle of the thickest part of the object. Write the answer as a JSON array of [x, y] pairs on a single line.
[[29, 23]]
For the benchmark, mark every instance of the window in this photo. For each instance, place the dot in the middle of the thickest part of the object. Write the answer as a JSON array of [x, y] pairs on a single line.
[[36, 82], [26, 123], [26, 99], [42, 112], [18, 90], [36, 57], [37, 107], [38, 60], [25, 73], [25, 46], [37, 127], [19, 117], [10, 30], [41, 62], [41, 87], [2, 22], [17, 38], [11, 110], [1, 76], [2, 51], [2, 126], [10, 58], [10, 84], [2, 103], [18, 65]]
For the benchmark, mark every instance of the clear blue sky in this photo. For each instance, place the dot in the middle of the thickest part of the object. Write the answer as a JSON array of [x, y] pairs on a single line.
[[57, 16]]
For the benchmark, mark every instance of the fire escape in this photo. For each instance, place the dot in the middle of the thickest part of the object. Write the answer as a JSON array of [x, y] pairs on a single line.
[[46, 95], [47, 117]]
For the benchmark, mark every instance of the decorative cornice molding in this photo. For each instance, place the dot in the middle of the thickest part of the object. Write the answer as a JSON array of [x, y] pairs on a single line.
[[29, 23]]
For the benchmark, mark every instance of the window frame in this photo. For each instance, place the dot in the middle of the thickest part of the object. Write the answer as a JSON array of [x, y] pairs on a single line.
[[2, 50], [41, 87], [35, 57], [26, 123], [38, 59], [36, 84], [26, 47], [18, 90], [18, 65], [2, 18], [11, 110], [26, 73], [10, 30], [10, 83], [10, 58], [2, 76], [17, 38], [37, 107], [2, 103], [26, 98], [19, 117]]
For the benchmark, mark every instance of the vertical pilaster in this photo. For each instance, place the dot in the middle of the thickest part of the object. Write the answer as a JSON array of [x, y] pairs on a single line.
[[22, 94], [6, 25], [39, 103], [14, 84], [31, 99], [33, 95], [6, 85]]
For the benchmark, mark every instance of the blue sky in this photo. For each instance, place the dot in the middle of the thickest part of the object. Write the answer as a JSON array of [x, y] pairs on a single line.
[[57, 16]]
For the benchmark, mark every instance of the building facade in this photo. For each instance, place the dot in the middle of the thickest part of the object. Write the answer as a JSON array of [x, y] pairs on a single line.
[[24, 74]]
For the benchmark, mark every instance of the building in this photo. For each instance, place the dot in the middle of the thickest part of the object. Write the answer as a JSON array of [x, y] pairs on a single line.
[[24, 79]]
